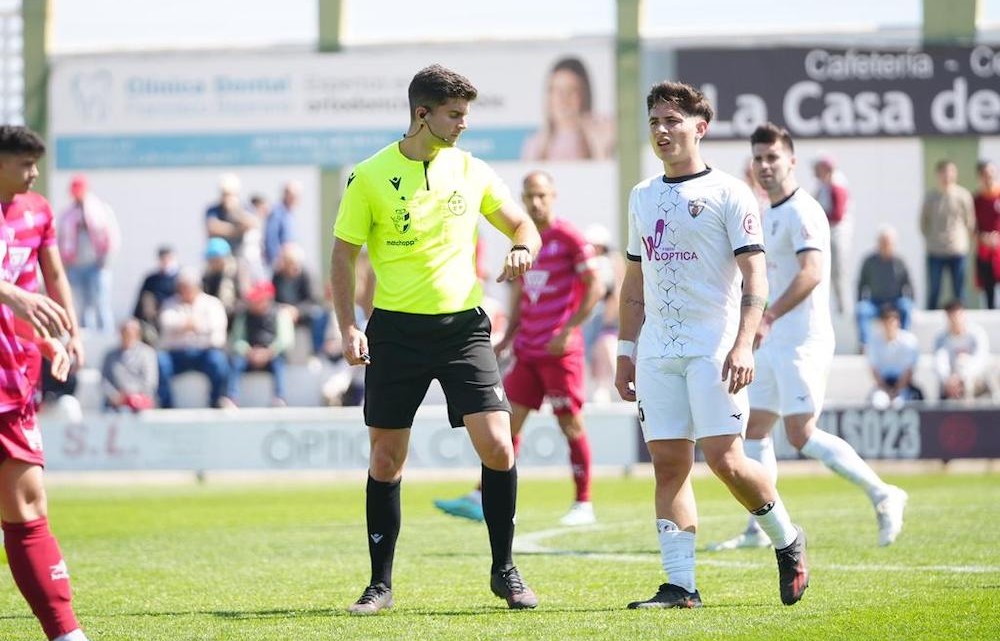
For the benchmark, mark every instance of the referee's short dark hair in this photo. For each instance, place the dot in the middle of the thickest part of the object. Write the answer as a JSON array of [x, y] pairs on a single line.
[[18, 139], [434, 85], [770, 133], [683, 97]]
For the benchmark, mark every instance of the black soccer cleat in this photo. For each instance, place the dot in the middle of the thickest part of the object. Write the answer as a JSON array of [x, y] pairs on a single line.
[[508, 584], [669, 596], [374, 598], [793, 573]]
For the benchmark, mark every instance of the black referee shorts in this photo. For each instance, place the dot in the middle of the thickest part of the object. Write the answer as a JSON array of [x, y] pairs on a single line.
[[409, 350]]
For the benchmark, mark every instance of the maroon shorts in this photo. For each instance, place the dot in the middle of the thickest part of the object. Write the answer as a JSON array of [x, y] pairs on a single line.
[[557, 378], [20, 436]]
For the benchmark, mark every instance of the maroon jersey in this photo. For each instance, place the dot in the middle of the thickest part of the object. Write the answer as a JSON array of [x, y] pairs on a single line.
[[553, 290]]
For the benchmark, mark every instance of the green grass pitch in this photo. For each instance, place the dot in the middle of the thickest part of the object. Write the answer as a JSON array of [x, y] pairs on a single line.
[[281, 562]]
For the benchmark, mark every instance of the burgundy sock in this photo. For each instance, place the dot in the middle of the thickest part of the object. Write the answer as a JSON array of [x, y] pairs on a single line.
[[579, 459], [40, 573]]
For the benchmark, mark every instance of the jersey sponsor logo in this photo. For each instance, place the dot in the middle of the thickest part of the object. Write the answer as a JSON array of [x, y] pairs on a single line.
[[534, 283], [457, 205], [13, 261], [696, 206], [396, 181], [401, 220], [751, 224]]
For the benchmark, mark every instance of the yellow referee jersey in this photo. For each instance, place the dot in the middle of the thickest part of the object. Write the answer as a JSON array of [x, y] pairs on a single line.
[[420, 221]]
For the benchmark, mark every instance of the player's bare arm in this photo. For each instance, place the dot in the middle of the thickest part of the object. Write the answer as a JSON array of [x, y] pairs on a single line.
[[809, 276], [632, 313], [46, 316], [739, 366], [58, 288], [516, 225], [343, 262], [593, 292]]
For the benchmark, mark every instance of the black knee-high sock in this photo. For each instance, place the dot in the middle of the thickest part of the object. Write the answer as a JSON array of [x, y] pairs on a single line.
[[499, 503], [382, 507]]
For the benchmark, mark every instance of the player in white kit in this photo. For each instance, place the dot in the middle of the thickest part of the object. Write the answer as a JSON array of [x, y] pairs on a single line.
[[795, 339], [694, 237]]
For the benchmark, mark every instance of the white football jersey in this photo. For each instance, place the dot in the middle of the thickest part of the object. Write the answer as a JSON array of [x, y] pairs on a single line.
[[686, 232], [795, 225]]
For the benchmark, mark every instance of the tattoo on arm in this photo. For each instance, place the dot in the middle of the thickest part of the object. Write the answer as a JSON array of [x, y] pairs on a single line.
[[752, 300], [633, 302]]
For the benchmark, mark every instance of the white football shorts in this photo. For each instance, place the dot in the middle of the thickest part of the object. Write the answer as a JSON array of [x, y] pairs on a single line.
[[687, 398], [791, 379]]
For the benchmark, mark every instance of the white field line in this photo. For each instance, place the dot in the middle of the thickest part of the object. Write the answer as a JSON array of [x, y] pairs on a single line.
[[533, 543]]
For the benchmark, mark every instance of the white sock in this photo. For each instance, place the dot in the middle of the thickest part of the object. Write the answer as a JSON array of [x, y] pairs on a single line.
[[677, 554], [773, 519], [762, 451], [75, 635], [838, 455]]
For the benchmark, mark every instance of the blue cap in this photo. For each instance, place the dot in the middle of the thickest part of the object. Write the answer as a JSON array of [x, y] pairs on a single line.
[[217, 247]]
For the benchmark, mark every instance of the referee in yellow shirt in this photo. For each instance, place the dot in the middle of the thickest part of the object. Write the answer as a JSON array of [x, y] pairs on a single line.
[[415, 204]]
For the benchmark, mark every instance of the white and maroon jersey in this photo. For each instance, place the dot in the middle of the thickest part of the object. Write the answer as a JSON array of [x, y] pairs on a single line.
[[17, 376], [792, 226], [552, 290], [686, 232]]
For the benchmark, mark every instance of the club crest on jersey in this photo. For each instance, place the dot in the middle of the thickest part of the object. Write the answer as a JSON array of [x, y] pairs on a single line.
[[696, 206], [534, 283], [401, 220], [456, 204], [751, 224]]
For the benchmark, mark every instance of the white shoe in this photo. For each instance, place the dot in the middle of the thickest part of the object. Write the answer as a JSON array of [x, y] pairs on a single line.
[[756, 539], [889, 512], [582, 513]]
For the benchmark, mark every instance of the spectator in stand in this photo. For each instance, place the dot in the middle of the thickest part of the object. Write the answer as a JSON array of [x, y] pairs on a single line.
[[228, 219], [884, 279], [962, 356], [834, 196], [252, 266], [600, 332], [88, 239], [157, 287], [893, 354], [261, 335], [294, 290], [279, 229], [130, 372], [987, 204], [193, 337], [221, 278], [947, 221]]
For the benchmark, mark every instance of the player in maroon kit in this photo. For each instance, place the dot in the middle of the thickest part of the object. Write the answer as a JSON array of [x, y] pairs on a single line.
[[32, 552], [549, 304]]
